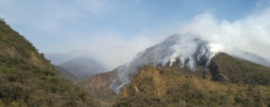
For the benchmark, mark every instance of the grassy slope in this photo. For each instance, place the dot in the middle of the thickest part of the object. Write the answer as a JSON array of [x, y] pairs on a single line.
[[236, 70], [28, 79], [239, 71], [157, 88]]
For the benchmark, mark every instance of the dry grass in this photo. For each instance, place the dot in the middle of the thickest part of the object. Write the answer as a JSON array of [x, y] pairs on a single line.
[[170, 88]]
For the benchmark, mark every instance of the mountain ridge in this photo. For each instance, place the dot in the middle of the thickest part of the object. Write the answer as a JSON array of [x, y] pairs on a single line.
[[65, 74], [83, 67], [60, 58]]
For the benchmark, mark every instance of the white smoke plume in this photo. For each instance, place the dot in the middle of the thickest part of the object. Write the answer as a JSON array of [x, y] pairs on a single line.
[[250, 34], [203, 38], [183, 47]]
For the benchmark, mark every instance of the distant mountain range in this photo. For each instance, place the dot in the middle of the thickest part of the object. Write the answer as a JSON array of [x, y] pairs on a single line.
[[66, 74], [77, 63], [83, 67], [60, 58]]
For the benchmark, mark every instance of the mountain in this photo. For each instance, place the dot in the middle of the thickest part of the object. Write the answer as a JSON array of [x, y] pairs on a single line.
[[27, 79], [60, 58], [83, 67], [190, 53], [186, 71], [172, 85], [65, 74]]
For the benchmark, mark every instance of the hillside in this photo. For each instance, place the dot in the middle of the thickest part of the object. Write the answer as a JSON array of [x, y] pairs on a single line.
[[154, 87], [65, 74], [99, 86], [225, 68], [83, 67], [28, 79], [238, 71], [223, 72]]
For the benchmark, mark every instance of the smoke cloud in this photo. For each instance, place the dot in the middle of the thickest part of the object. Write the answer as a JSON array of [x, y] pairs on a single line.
[[201, 39], [186, 47], [250, 34]]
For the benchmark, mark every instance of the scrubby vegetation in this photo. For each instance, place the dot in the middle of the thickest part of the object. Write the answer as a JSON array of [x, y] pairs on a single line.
[[158, 88], [235, 70], [11, 38], [240, 71], [30, 85], [99, 86], [27, 79]]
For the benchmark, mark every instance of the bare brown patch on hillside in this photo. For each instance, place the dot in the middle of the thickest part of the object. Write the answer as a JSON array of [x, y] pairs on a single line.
[[8, 50]]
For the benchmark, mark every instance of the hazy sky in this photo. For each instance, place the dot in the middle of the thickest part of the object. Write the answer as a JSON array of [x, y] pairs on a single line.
[[60, 26], [55, 26]]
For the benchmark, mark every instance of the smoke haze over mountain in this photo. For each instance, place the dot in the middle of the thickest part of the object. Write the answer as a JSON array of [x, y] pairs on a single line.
[[187, 48], [115, 36], [202, 38], [250, 34]]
